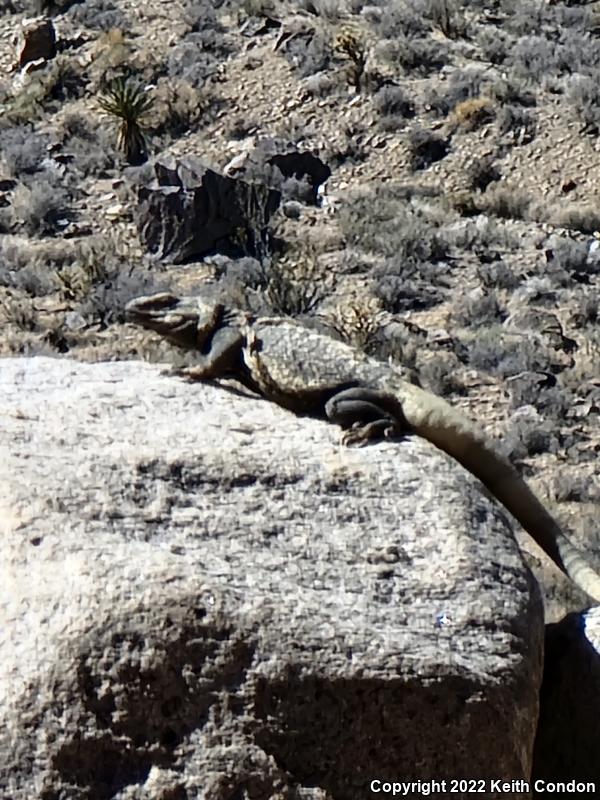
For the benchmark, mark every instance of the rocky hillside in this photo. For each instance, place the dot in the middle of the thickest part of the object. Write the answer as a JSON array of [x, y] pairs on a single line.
[[457, 231]]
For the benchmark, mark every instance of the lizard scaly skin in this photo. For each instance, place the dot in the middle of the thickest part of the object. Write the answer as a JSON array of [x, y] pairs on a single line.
[[311, 373]]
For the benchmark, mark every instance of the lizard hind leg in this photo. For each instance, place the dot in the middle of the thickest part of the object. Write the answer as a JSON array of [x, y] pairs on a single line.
[[365, 415]]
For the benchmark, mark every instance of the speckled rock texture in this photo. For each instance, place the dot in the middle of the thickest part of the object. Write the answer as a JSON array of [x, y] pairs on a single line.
[[204, 596]]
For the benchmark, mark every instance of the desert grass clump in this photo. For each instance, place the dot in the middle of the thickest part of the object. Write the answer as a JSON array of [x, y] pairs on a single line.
[[297, 282], [517, 125], [41, 209], [129, 103], [393, 100]]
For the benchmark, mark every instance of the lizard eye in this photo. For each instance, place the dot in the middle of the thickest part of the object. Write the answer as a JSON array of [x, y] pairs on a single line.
[[155, 302], [163, 301]]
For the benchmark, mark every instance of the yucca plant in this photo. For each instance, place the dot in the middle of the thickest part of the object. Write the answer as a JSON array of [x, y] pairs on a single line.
[[128, 102]]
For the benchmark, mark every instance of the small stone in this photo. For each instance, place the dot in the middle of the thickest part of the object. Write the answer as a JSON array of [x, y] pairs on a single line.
[[114, 211], [292, 209]]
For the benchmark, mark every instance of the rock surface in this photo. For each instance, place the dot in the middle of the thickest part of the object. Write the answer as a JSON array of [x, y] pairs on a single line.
[[37, 41], [204, 595], [289, 162]]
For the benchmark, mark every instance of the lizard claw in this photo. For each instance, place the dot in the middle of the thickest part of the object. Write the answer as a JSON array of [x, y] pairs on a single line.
[[358, 435]]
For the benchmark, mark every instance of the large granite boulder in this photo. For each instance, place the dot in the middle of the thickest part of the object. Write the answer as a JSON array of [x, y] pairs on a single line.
[[204, 595]]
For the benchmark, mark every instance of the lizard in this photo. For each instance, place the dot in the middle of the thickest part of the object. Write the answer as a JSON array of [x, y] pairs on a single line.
[[312, 373]]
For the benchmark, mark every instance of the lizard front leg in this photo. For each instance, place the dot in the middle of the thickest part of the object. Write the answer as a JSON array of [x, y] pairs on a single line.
[[365, 415], [222, 358]]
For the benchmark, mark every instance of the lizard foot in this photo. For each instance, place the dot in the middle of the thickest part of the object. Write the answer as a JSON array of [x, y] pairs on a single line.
[[191, 374], [365, 415], [359, 435]]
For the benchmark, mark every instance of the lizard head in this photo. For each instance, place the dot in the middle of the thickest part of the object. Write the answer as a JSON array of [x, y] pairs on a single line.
[[185, 321]]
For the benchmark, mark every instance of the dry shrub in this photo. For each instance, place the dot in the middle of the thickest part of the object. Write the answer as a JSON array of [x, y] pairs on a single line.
[[584, 217], [505, 201], [472, 113]]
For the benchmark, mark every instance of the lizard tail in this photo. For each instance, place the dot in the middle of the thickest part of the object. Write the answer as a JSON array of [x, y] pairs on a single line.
[[577, 568], [508, 486], [451, 431]]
